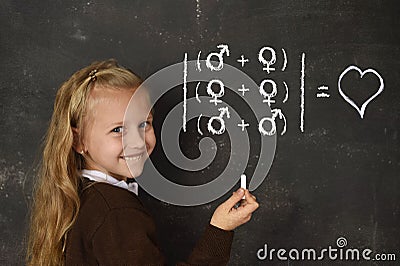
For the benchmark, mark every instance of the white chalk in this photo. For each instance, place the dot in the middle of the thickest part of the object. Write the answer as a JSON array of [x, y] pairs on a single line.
[[243, 182], [242, 185]]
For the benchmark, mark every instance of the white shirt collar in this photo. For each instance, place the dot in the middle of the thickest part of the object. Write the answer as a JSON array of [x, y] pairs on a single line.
[[98, 176]]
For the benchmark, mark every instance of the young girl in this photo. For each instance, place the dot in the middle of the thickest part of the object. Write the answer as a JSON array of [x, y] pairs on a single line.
[[86, 210]]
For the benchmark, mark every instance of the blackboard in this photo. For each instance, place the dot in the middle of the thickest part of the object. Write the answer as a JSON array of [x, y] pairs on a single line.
[[334, 177]]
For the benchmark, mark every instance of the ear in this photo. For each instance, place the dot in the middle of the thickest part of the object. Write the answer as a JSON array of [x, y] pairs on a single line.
[[77, 145]]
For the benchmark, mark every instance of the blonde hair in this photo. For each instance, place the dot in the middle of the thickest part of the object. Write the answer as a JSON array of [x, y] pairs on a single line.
[[56, 192]]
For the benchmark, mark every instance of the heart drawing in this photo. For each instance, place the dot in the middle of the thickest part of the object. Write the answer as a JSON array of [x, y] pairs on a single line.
[[362, 73]]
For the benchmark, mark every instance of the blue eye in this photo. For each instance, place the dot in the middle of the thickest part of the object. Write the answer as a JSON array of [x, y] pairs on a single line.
[[145, 124], [117, 129]]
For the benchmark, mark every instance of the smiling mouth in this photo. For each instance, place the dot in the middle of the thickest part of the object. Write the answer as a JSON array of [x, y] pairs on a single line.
[[132, 157]]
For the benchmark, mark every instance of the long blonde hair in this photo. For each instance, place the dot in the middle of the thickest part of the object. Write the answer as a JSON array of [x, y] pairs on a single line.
[[56, 192]]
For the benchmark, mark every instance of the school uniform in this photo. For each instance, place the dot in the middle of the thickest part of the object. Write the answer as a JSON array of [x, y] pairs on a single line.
[[114, 228]]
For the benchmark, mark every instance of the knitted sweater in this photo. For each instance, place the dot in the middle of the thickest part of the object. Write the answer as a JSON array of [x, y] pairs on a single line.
[[114, 228]]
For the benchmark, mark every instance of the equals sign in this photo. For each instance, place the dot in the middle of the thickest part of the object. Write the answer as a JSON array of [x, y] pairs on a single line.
[[322, 93]]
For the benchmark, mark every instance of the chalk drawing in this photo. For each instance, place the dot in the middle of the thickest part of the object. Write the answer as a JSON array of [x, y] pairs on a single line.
[[267, 63], [284, 59], [287, 92], [268, 88], [275, 113], [197, 92], [215, 96], [243, 90], [221, 130], [323, 94], [198, 125], [224, 49], [243, 60], [268, 95], [264, 132], [198, 62], [184, 92], [303, 60], [361, 110], [243, 125]]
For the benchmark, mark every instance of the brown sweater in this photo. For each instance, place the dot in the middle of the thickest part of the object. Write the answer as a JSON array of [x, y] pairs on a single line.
[[114, 228]]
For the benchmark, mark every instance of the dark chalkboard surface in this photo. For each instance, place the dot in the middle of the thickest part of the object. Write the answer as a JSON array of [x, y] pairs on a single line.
[[335, 177]]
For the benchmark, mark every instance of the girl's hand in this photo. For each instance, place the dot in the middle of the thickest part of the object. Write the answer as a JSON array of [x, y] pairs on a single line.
[[227, 217]]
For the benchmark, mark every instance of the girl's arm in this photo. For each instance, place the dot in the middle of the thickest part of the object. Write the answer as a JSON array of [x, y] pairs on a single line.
[[215, 245], [228, 218], [118, 231]]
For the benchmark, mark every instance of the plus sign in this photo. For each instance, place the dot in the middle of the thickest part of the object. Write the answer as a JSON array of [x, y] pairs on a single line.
[[243, 60], [243, 125], [269, 101], [243, 90]]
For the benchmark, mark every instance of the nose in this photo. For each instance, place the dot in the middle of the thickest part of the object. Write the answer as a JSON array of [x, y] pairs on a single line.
[[134, 139]]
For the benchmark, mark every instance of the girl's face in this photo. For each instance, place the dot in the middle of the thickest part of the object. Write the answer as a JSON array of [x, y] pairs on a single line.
[[103, 131]]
